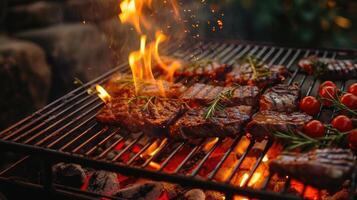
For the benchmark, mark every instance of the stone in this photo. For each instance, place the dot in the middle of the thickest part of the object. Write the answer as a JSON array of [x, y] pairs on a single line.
[[74, 51], [34, 15], [25, 78]]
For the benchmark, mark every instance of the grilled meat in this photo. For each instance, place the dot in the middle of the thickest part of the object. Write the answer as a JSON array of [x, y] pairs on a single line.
[[243, 74], [281, 98], [327, 68], [322, 168], [150, 115], [70, 174], [264, 122], [228, 122], [209, 69], [203, 94]]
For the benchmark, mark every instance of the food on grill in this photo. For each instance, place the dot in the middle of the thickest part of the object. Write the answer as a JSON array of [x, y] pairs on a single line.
[[310, 105], [227, 122], [69, 174], [322, 168], [141, 191], [151, 115], [203, 94], [264, 123], [281, 98], [328, 68], [205, 68], [103, 182], [247, 74]]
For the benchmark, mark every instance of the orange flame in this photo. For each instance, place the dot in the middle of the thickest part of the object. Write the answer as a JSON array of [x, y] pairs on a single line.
[[103, 94], [244, 179]]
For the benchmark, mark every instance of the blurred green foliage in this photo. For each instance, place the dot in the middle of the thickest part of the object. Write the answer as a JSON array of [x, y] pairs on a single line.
[[327, 23]]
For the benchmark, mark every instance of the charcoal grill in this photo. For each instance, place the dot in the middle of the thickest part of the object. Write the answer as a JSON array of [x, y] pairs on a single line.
[[66, 131]]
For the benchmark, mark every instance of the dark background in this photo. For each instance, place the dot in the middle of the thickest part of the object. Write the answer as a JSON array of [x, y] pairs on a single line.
[[45, 45]]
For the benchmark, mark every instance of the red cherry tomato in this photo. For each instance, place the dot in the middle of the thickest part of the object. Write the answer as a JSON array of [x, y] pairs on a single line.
[[353, 89], [327, 83], [349, 100], [328, 93], [314, 129], [310, 105], [342, 123], [352, 139]]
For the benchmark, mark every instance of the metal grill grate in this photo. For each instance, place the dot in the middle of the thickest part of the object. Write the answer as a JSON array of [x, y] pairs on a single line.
[[66, 130]]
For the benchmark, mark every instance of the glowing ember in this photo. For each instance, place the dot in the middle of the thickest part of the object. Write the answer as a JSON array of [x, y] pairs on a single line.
[[255, 178], [103, 94], [244, 179], [265, 158]]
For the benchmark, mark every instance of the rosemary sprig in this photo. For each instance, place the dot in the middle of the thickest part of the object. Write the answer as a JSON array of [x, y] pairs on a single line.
[[319, 67], [258, 67], [199, 64], [148, 101], [336, 102]]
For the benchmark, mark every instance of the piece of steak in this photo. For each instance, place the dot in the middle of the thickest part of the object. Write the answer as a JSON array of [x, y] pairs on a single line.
[[152, 116], [243, 74], [203, 94], [264, 123], [328, 68], [281, 98], [206, 68], [227, 122], [321, 168], [69, 174]]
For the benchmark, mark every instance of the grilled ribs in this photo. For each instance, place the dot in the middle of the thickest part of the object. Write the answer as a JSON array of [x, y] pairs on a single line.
[[152, 116], [322, 168], [243, 74], [202, 94], [281, 98], [327, 68], [228, 122], [209, 69], [264, 122]]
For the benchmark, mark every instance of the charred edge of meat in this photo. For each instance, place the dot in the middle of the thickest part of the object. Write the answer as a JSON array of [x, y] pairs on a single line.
[[281, 98], [210, 69], [321, 168]]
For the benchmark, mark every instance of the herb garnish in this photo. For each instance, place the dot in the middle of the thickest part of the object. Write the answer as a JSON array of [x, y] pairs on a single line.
[[259, 68], [148, 101], [336, 102], [199, 64], [319, 67]]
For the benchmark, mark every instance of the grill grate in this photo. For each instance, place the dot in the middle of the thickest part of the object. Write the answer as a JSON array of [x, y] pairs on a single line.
[[66, 129]]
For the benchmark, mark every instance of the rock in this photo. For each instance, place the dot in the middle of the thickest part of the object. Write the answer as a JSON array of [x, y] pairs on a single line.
[[73, 50], [34, 15], [69, 174], [103, 182], [25, 77], [90, 10]]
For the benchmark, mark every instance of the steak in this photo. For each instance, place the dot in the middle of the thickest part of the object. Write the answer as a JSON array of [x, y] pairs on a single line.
[[265, 122], [243, 74], [205, 68], [151, 116], [281, 98], [328, 68], [228, 122], [202, 94], [321, 168]]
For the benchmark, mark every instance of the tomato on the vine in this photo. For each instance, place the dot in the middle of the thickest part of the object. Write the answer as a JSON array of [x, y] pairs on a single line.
[[314, 129], [349, 100], [327, 83], [328, 93], [310, 105], [353, 89], [352, 139], [342, 123]]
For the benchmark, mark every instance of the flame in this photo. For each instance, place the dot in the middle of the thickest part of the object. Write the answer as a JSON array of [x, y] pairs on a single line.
[[244, 179], [210, 144], [103, 94], [255, 178], [131, 12], [265, 158]]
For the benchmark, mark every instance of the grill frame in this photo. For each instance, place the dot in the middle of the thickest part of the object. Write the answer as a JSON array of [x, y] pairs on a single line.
[[225, 50]]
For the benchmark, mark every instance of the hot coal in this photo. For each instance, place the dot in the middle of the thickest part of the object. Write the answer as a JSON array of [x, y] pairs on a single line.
[[70, 174], [243, 74], [143, 191], [103, 182], [264, 123], [281, 98], [203, 94], [228, 122], [322, 168]]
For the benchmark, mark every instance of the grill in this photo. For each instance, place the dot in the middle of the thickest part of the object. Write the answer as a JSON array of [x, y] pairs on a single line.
[[66, 131]]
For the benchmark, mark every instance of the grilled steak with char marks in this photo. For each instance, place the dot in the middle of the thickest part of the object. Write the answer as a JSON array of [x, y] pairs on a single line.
[[202, 94], [322, 168], [265, 122], [150, 116], [228, 122], [209, 69], [243, 74], [281, 98]]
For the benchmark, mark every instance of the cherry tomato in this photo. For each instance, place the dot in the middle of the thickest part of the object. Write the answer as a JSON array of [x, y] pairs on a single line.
[[353, 89], [314, 129], [306, 65], [328, 93], [310, 105], [349, 100], [342, 123], [327, 83], [352, 139]]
